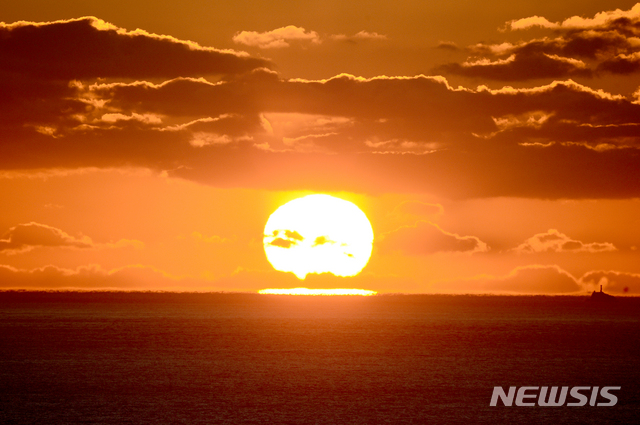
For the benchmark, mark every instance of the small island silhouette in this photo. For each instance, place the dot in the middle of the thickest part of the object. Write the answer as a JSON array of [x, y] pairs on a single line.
[[601, 296]]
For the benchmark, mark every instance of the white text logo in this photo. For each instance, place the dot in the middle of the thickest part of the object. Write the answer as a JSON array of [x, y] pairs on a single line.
[[554, 396]]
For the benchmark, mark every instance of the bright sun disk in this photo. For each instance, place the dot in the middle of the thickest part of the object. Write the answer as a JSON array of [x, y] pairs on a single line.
[[318, 234]]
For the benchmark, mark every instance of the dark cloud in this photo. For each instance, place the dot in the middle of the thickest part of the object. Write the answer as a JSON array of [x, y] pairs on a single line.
[[43, 65], [623, 65], [608, 44], [428, 238], [593, 45], [422, 108], [88, 48], [519, 66], [410, 134]]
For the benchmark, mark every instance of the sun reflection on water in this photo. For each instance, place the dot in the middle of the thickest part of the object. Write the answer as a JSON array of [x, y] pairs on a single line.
[[307, 291]]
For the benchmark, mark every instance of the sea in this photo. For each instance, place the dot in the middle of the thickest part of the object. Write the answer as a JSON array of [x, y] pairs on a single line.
[[233, 358]]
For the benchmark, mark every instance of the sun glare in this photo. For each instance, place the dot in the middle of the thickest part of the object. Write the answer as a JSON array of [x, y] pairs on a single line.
[[318, 234], [307, 291]]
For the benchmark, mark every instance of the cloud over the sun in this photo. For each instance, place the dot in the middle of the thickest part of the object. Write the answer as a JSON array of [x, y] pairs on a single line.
[[283, 238]]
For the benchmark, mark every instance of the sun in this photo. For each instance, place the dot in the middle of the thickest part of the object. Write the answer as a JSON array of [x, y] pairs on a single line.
[[318, 234]]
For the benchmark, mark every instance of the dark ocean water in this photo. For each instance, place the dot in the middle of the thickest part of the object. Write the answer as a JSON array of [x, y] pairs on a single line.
[[256, 359]]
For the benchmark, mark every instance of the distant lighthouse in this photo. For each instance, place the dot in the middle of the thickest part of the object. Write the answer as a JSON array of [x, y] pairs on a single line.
[[601, 296]]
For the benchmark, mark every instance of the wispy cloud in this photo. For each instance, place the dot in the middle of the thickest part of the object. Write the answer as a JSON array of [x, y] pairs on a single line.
[[28, 236], [278, 38], [554, 241], [427, 238], [601, 19], [291, 34]]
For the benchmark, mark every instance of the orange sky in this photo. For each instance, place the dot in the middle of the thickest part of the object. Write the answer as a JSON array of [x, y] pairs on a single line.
[[494, 149]]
